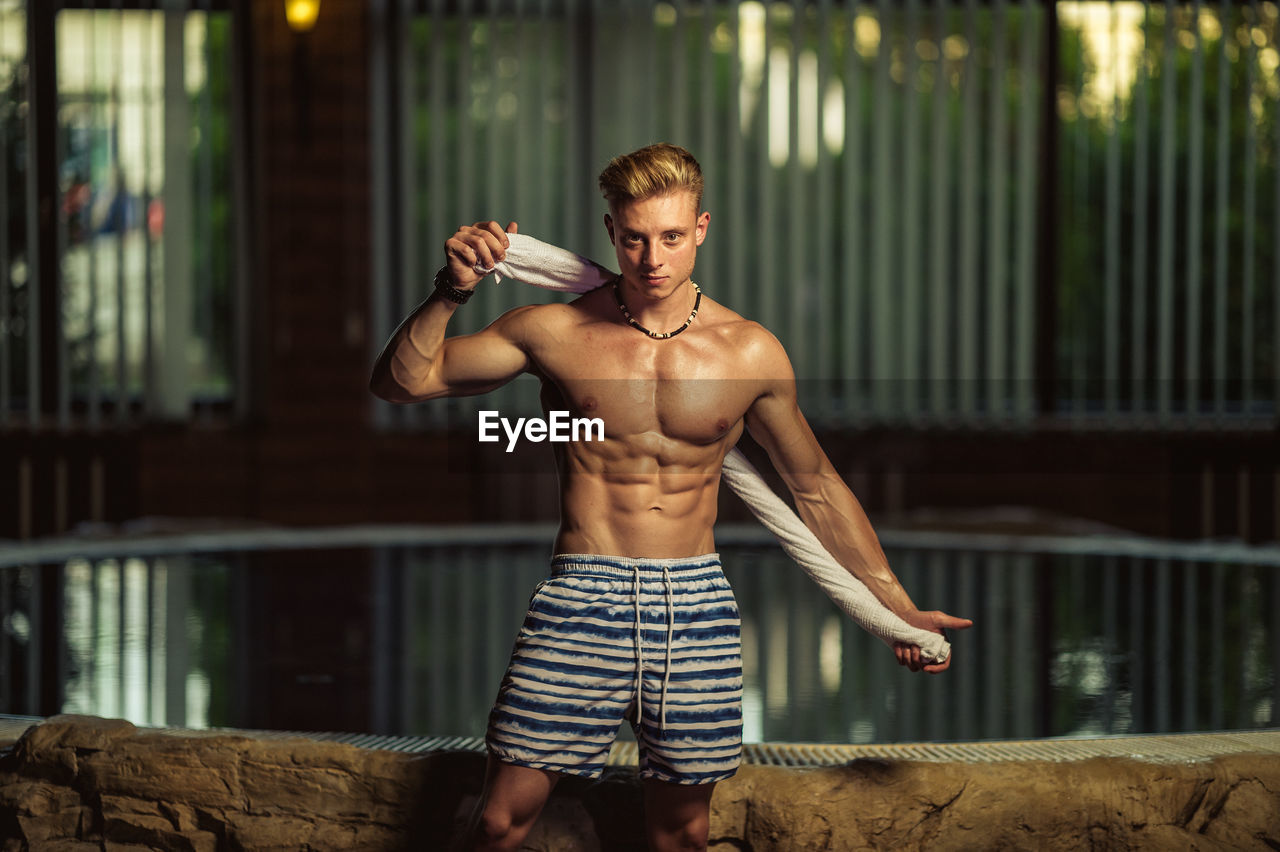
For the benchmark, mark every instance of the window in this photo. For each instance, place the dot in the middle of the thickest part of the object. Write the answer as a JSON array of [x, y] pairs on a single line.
[[119, 306], [949, 213]]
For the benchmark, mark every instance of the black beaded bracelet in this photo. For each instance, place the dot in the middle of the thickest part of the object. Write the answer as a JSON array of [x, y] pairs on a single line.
[[444, 286]]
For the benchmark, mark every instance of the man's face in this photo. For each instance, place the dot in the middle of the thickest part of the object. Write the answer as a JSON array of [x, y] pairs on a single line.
[[656, 240]]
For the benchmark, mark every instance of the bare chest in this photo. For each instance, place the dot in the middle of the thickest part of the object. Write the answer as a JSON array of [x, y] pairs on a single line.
[[689, 391]]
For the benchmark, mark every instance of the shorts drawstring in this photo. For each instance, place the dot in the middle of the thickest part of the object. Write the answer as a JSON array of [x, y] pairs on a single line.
[[666, 667], [639, 654]]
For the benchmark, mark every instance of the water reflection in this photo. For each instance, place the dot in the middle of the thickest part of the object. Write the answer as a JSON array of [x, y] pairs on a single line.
[[414, 640]]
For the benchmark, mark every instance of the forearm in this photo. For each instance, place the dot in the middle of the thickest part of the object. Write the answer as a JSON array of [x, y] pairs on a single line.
[[403, 371], [836, 517]]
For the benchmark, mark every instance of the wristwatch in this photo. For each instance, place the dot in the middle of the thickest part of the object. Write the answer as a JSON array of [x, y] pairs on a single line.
[[444, 286]]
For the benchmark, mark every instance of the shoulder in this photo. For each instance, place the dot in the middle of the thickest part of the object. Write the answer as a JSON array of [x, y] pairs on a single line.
[[756, 348], [528, 322]]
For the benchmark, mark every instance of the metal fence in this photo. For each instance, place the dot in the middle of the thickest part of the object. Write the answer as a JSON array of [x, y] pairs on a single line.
[[948, 212]]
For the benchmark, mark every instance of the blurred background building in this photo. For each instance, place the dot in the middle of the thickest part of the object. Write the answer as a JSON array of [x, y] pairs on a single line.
[[1023, 256]]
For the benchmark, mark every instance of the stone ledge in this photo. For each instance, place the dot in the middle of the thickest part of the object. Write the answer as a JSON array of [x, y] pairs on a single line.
[[81, 783]]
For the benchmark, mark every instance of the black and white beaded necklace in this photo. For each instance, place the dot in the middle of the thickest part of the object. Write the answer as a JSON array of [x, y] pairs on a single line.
[[656, 335]]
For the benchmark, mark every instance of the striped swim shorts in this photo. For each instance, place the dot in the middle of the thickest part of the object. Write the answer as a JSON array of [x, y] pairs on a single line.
[[608, 638]]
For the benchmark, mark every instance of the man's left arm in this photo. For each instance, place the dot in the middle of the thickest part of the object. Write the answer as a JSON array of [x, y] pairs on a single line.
[[823, 500]]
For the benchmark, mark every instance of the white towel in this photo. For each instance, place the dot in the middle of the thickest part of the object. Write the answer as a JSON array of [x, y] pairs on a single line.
[[534, 262]]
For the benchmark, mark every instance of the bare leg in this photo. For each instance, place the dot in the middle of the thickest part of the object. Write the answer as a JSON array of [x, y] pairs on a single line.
[[677, 816], [513, 797]]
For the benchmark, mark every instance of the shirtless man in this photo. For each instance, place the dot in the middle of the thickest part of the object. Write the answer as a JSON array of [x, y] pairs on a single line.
[[636, 620]]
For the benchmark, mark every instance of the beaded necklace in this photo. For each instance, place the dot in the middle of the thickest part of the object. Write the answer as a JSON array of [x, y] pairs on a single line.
[[622, 306]]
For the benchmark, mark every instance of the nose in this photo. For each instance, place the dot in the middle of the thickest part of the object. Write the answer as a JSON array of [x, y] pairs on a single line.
[[650, 257]]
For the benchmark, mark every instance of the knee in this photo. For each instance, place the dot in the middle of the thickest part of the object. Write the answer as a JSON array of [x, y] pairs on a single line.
[[689, 837], [495, 828]]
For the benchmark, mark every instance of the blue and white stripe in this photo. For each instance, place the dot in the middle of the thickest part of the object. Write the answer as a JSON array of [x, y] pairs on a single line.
[[608, 638]]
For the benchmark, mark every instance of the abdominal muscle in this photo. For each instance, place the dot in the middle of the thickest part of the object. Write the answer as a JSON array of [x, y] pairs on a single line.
[[618, 500]]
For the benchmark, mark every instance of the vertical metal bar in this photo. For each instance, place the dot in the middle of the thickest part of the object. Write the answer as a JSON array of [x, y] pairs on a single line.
[[438, 629], [176, 391], [438, 184], [1110, 628], [852, 256], [1162, 673], [178, 661], [764, 272], [678, 83], [405, 577], [121, 638], [940, 256], [1167, 205], [995, 399], [1190, 641], [42, 304], [710, 118], [737, 177], [242, 268], [883, 329], [1275, 300], [381, 214], [382, 646], [1049, 226], [939, 591], [471, 183], [796, 256], [7, 575], [970, 158], [1139, 287], [1111, 274], [1076, 328], [825, 235], [405, 196], [97, 185], [204, 202], [1138, 657], [1248, 271], [1195, 214], [6, 339], [995, 567], [1217, 650], [1024, 293], [910, 372], [546, 185], [120, 217], [150, 379], [966, 693], [149, 644], [1221, 185], [1273, 629]]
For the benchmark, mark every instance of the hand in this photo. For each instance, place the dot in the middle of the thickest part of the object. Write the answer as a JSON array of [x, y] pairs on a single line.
[[484, 243], [937, 622]]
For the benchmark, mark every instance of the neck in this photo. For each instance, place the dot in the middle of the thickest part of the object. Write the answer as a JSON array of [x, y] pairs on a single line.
[[656, 310], [654, 333]]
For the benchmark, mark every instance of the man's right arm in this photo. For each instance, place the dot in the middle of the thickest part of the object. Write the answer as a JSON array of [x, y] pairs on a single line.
[[419, 363]]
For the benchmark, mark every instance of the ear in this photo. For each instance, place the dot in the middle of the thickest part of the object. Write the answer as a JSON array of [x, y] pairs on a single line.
[[700, 233], [608, 226]]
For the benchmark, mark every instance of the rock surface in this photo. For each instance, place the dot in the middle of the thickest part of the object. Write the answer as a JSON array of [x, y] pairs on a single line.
[[82, 783]]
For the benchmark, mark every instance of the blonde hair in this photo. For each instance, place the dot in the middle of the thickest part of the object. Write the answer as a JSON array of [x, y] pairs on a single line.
[[652, 170]]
